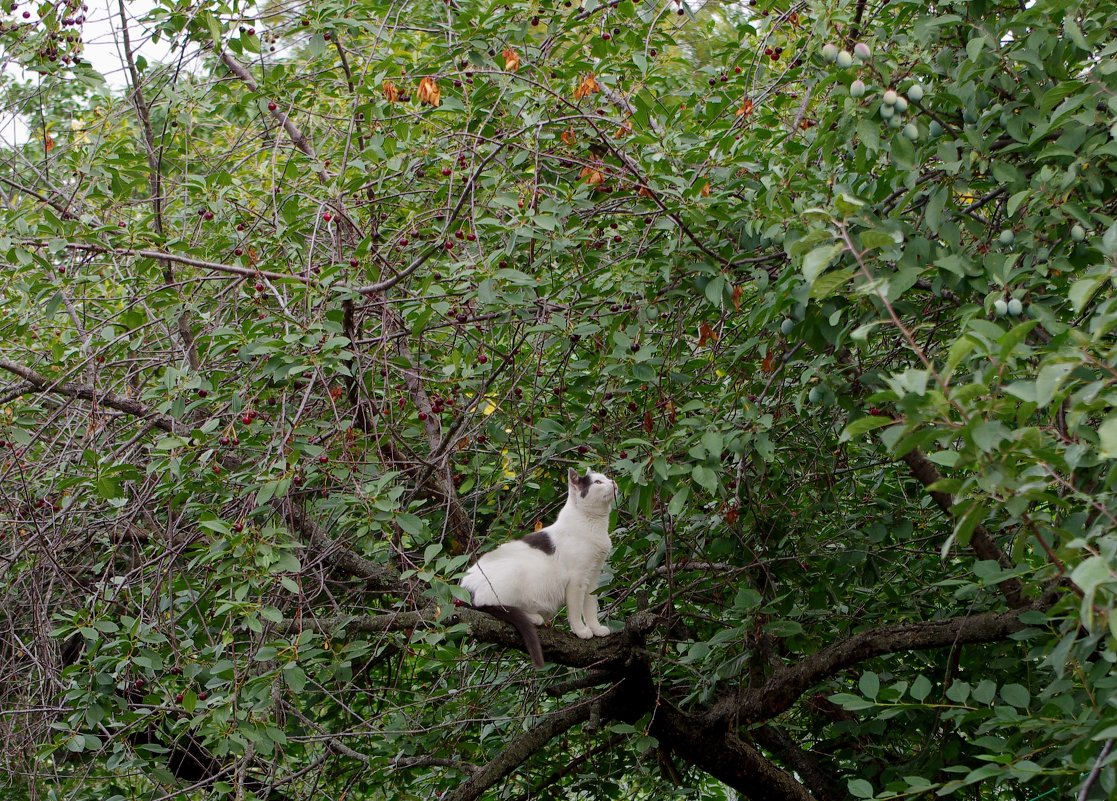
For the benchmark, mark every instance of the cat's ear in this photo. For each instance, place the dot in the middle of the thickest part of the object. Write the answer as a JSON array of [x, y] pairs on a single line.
[[573, 477]]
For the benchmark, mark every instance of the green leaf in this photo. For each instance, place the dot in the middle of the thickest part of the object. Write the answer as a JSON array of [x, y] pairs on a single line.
[[831, 282], [819, 259], [706, 478], [859, 788], [1016, 695], [1091, 572], [863, 425], [1107, 438], [920, 688], [869, 684]]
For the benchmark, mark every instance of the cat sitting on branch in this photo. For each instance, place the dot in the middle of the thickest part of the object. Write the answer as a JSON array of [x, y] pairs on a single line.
[[525, 581]]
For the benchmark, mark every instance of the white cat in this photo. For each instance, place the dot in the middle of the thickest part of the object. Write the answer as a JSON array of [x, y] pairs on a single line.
[[525, 581]]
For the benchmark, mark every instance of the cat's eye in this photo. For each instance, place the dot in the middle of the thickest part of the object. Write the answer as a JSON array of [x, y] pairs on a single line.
[[597, 481]]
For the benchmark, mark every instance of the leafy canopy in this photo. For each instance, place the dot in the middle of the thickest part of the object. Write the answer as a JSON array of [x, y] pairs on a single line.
[[329, 300]]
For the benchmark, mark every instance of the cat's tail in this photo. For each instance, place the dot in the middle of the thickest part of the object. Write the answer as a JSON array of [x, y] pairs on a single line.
[[518, 618]]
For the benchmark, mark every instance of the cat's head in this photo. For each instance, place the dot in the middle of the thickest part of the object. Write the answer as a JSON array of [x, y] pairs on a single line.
[[592, 493]]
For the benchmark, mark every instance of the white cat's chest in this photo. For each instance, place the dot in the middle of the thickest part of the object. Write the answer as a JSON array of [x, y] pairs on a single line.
[[582, 548]]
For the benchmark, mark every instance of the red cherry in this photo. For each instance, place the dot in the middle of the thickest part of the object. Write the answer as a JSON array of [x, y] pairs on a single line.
[[448, 245], [323, 459], [482, 359], [583, 449], [203, 695], [272, 106], [447, 171], [327, 216]]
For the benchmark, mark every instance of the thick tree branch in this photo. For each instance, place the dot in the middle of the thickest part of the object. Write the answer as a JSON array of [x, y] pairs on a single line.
[[725, 756], [788, 683], [821, 782], [603, 653], [520, 750], [982, 541], [40, 383], [377, 576]]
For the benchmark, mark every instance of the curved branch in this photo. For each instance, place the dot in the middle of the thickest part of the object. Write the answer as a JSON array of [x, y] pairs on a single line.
[[788, 683], [40, 383], [377, 576], [521, 749], [725, 756], [982, 541]]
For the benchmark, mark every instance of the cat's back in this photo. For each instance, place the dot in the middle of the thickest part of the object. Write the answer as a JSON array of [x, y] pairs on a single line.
[[518, 573]]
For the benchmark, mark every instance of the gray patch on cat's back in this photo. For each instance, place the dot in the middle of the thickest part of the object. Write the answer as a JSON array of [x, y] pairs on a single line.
[[540, 540]]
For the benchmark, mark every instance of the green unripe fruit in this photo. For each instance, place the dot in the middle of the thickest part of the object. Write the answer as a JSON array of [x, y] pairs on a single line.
[[890, 97], [862, 52], [829, 53], [896, 121], [901, 104], [857, 88], [1078, 233], [1015, 307], [887, 111], [934, 129], [787, 326], [969, 116], [911, 131], [915, 92], [815, 395], [1007, 237], [1000, 307], [844, 60]]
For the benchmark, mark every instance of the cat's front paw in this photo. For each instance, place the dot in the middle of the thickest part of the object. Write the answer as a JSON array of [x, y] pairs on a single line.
[[600, 630], [585, 632]]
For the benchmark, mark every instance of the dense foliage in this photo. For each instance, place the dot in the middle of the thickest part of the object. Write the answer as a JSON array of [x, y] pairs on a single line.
[[306, 316]]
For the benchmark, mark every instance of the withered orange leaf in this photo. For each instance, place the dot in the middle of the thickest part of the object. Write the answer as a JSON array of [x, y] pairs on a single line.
[[643, 191], [391, 91], [538, 525], [593, 176], [568, 136], [769, 363], [624, 130], [48, 143], [588, 86], [705, 334], [429, 92], [649, 423], [511, 59], [745, 109], [737, 292], [705, 190]]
